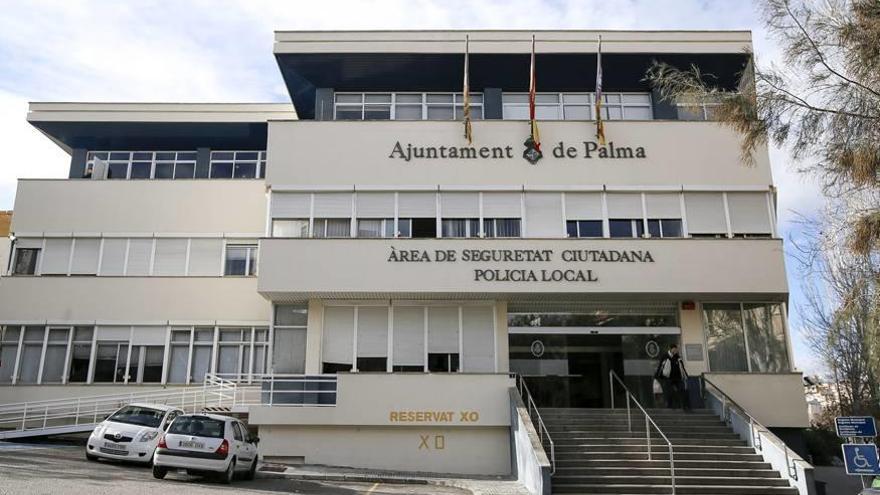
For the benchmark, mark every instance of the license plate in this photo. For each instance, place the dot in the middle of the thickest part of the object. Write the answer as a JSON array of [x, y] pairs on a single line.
[[191, 444], [111, 445]]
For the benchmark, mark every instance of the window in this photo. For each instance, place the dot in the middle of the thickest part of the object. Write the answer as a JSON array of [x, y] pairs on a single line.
[[501, 227], [55, 355], [374, 227], [111, 362], [145, 365], [9, 341], [290, 228], [423, 228], [628, 227], [405, 106], [372, 338], [584, 228], [289, 347], [31, 354], [705, 214], [25, 261], [238, 164], [578, 106], [460, 227], [332, 227], [746, 337], [694, 109], [241, 260], [338, 339], [443, 342], [80, 355], [409, 338], [175, 165]]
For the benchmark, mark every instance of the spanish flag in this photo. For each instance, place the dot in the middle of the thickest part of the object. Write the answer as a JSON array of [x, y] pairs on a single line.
[[600, 126], [466, 94], [533, 124]]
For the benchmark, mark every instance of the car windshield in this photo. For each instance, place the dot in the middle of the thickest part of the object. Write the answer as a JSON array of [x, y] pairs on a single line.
[[197, 426], [137, 415]]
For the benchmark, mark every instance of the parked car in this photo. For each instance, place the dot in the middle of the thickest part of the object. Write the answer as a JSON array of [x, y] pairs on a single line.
[[207, 444], [131, 433]]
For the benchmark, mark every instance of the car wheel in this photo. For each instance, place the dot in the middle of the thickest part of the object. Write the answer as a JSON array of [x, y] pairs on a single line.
[[159, 472], [252, 471], [229, 475], [91, 457]]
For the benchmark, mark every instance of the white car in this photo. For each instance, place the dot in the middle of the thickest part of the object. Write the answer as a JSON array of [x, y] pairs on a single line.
[[207, 444], [131, 433]]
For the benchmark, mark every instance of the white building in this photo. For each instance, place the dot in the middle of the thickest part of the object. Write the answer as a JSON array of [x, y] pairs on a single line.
[[355, 233]]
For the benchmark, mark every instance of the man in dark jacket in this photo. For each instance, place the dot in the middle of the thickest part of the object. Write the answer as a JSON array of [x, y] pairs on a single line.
[[673, 378]]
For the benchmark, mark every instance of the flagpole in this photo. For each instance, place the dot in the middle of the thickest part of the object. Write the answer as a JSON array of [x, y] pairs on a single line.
[[466, 93], [600, 125], [533, 123]]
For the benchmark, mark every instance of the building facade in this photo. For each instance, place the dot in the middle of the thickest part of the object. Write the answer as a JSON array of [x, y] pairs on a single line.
[[356, 233]]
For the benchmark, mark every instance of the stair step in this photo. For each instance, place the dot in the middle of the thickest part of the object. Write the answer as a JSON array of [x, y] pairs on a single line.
[[655, 447], [581, 440], [639, 479], [734, 464], [567, 472], [657, 456], [680, 490]]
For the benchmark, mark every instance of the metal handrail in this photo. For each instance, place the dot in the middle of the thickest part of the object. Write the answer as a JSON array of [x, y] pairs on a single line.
[[612, 377], [755, 427], [532, 409]]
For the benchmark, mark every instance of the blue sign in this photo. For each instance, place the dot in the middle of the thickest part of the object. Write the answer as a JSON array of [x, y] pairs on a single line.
[[861, 459], [856, 427]]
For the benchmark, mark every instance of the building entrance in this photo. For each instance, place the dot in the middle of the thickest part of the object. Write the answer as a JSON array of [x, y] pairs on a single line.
[[572, 370]]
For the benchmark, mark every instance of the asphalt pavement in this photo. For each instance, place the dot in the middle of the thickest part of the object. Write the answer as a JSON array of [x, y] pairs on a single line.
[[60, 467]]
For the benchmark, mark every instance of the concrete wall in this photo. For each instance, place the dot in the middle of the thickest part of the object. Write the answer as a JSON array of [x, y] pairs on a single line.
[[147, 206], [775, 400], [691, 322], [532, 467], [362, 429], [131, 300], [320, 153], [5, 248], [680, 266]]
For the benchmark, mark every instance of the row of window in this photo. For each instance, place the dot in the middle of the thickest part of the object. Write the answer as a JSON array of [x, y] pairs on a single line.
[[134, 257], [173, 165], [522, 214], [129, 354], [405, 106]]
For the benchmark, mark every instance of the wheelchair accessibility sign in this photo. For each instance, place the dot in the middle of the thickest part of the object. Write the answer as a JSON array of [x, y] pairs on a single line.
[[861, 459]]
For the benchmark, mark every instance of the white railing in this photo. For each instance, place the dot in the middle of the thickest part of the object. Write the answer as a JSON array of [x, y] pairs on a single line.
[[537, 421], [631, 399], [284, 390], [765, 442], [77, 413]]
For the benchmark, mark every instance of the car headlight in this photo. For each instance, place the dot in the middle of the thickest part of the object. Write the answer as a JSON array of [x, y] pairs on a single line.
[[146, 437], [99, 429]]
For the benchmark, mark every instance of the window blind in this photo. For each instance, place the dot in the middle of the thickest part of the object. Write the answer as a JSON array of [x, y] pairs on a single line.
[[34, 243], [113, 257], [502, 205], [56, 256], [375, 205], [146, 335], [478, 339], [170, 257], [338, 334], [460, 204], [544, 214], [663, 205], [204, 257], [705, 213], [139, 251], [372, 339], [85, 256], [289, 351], [749, 213], [443, 329], [409, 336], [333, 205], [583, 206], [624, 205], [416, 204], [290, 205], [115, 333]]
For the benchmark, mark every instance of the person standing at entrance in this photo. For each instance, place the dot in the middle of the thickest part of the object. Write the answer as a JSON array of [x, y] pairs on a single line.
[[673, 377]]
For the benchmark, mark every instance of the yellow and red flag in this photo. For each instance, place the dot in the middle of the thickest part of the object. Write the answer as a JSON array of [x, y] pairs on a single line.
[[466, 94], [600, 126]]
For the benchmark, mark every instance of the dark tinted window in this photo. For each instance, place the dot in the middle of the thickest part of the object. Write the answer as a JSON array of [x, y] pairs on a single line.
[[25, 261], [620, 228], [198, 426]]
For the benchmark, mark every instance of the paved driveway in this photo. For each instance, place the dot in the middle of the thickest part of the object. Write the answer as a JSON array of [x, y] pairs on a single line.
[[60, 467]]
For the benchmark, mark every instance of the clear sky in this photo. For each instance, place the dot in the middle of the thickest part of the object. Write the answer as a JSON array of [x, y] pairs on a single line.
[[221, 50]]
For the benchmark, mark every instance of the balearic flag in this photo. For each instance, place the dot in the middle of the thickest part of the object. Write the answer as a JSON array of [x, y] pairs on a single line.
[[466, 94], [533, 124], [600, 126]]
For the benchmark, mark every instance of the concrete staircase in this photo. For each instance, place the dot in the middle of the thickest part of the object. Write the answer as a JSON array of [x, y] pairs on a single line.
[[596, 454]]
